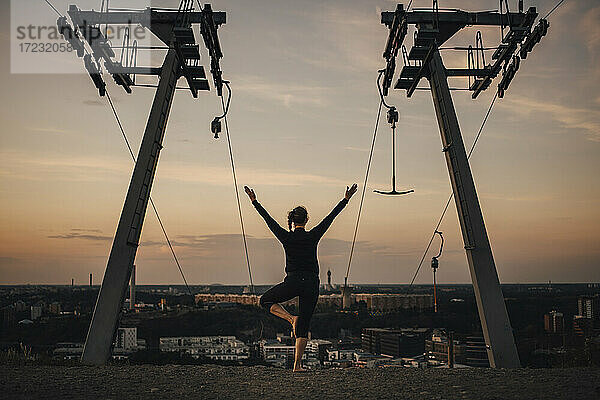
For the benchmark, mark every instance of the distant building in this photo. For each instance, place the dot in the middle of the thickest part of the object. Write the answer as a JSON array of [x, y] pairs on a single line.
[[437, 348], [205, 298], [276, 353], [347, 299], [406, 342], [554, 322], [20, 306], [126, 339], [582, 326], [359, 358], [8, 316], [317, 348], [120, 351], [330, 300], [389, 302], [55, 308], [374, 302], [224, 348], [589, 307], [371, 339], [476, 352], [368, 360], [36, 312], [340, 355], [68, 350]]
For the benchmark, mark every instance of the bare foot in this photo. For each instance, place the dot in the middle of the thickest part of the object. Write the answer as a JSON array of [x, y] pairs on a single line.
[[299, 369], [294, 323]]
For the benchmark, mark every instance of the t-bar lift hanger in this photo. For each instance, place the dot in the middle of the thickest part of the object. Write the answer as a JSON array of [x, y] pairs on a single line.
[[392, 119]]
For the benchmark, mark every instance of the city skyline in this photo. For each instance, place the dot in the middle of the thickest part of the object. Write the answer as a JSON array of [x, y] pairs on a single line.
[[303, 109]]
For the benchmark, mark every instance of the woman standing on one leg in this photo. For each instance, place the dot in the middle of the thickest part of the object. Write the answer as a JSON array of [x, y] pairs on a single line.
[[301, 267]]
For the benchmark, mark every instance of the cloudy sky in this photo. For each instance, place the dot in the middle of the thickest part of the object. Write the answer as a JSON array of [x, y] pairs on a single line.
[[302, 114]]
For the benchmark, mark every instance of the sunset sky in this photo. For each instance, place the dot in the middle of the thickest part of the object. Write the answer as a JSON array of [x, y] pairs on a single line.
[[302, 115]]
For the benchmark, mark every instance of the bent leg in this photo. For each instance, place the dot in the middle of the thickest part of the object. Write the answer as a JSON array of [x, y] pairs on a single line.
[[279, 294], [278, 310]]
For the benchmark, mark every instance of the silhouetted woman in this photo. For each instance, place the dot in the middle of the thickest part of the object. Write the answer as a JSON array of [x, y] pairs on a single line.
[[301, 267]]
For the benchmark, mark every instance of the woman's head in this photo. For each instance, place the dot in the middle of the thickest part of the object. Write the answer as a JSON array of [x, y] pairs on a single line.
[[298, 216]]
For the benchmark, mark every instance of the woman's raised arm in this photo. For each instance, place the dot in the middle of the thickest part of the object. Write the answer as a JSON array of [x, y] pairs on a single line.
[[277, 230]]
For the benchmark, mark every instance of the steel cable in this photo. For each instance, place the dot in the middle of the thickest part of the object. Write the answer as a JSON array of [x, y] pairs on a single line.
[[237, 192], [487, 114]]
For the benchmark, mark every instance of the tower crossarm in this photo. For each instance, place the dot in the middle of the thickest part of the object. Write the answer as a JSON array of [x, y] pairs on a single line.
[[171, 26], [434, 27], [464, 18], [145, 17]]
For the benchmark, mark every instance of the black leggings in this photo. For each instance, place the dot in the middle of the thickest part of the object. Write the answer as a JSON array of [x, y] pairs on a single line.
[[303, 285]]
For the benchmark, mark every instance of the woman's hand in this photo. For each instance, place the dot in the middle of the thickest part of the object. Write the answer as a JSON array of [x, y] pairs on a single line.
[[350, 191], [250, 193]]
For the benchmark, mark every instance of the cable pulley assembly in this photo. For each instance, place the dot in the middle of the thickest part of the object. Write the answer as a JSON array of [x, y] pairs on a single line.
[[434, 259], [392, 117], [508, 75], [95, 74], [70, 35], [540, 30], [215, 125]]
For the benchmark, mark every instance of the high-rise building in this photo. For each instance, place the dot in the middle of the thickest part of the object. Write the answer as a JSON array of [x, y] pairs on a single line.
[[126, 339], [588, 306], [36, 312], [554, 322], [132, 289]]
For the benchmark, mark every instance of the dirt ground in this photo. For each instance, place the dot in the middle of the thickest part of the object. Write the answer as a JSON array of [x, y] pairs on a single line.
[[217, 382]]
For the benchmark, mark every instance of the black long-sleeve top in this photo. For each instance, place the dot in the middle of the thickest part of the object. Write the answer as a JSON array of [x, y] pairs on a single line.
[[300, 245]]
